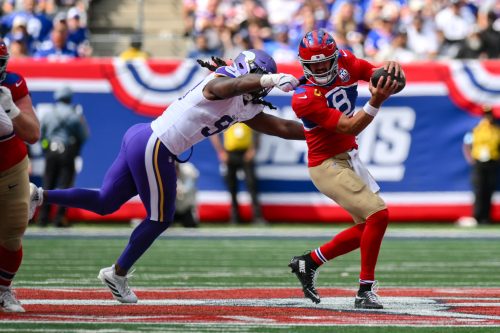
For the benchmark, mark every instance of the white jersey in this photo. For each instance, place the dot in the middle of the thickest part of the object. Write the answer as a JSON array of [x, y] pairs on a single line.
[[193, 118]]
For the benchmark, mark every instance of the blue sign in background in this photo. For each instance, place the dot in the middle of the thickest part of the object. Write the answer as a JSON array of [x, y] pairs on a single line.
[[413, 147], [435, 161]]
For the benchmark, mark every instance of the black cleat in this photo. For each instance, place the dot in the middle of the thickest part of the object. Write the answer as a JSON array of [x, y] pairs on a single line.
[[306, 271], [368, 299]]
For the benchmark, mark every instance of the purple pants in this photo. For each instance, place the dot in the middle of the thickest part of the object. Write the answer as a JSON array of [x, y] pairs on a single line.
[[143, 166]]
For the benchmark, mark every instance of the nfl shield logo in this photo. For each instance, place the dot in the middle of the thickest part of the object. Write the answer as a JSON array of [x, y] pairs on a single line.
[[344, 75]]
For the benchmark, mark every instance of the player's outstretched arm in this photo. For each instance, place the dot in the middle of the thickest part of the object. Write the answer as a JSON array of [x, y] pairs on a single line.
[[225, 87], [357, 123], [272, 125]]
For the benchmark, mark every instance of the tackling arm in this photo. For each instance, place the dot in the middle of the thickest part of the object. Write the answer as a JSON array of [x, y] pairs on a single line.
[[226, 87], [272, 125]]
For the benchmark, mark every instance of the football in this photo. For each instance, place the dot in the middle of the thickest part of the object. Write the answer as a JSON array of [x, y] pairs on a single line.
[[381, 72]]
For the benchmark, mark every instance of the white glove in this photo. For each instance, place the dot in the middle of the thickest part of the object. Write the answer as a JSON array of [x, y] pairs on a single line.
[[6, 127], [284, 82], [8, 104]]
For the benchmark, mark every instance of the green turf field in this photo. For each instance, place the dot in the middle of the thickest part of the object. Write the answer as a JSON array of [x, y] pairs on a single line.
[[215, 257], [258, 262]]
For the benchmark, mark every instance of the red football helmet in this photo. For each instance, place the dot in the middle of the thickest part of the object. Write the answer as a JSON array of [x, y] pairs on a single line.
[[4, 59], [318, 46]]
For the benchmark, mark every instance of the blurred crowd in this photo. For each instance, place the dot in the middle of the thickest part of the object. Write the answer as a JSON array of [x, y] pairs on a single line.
[[402, 30], [45, 28]]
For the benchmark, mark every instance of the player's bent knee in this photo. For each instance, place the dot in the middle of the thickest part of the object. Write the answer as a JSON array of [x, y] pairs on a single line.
[[107, 209], [383, 213], [162, 225], [382, 216]]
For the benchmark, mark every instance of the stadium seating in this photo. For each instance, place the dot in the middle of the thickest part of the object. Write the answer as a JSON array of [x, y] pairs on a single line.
[[112, 23]]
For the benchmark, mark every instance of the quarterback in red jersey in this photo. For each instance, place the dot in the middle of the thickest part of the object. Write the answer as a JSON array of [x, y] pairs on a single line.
[[18, 124], [326, 106]]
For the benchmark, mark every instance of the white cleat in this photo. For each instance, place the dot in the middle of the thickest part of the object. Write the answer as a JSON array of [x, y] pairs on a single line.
[[36, 199], [118, 285], [8, 301]]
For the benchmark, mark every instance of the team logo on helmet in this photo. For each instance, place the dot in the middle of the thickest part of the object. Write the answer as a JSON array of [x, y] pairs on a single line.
[[255, 62]]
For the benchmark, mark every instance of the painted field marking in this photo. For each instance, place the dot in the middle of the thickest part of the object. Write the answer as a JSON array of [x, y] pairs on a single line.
[[412, 307]]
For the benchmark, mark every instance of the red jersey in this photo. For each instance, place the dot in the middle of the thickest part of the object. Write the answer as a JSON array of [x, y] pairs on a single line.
[[12, 148], [320, 108]]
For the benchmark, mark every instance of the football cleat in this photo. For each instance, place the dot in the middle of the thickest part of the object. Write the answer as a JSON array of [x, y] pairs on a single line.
[[306, 271], [36, 199], [368, 299], [8, 301], [118, 285]]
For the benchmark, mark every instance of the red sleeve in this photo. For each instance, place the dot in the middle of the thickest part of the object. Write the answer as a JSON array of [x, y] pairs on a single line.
[[365, 69], [19, 89], [310, 106], [361, 67], [16, 84]]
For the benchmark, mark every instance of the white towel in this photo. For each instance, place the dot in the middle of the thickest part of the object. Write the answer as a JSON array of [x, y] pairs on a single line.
[[362, 171]]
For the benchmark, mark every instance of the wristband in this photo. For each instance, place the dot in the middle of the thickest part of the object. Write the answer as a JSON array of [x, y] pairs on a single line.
[[372, 111], [266, 81]]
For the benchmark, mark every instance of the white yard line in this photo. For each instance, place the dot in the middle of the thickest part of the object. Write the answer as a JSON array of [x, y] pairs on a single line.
[[266, 232]]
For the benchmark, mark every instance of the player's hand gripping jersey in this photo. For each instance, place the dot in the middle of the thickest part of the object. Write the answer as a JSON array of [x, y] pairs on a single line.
[[320, 108]]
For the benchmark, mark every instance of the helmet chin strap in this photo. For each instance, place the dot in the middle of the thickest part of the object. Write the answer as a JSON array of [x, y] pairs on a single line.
[[321, 81]]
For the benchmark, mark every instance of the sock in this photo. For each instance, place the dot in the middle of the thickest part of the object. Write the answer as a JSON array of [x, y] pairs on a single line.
[[9, 264], [140, 240], [344, 242], [365, 285], [371, 240]]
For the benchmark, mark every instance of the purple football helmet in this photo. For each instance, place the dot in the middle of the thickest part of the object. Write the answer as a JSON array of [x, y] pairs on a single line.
[[255, 62]]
